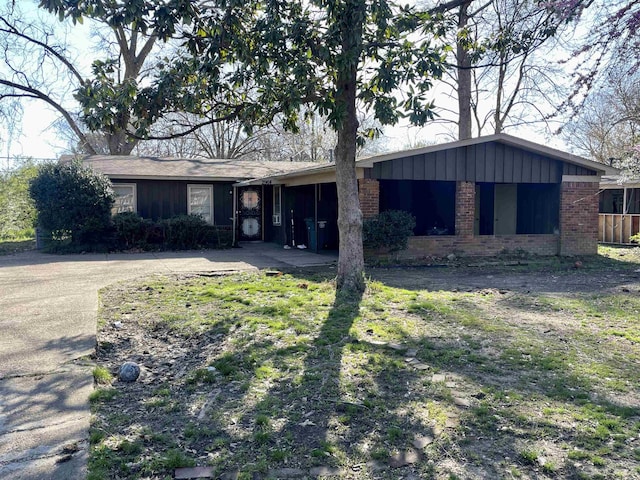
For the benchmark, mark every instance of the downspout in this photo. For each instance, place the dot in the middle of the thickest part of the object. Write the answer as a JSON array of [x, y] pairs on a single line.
[[625, 208]]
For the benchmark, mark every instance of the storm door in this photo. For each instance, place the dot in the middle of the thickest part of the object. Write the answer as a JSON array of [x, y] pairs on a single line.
[[250, 213]]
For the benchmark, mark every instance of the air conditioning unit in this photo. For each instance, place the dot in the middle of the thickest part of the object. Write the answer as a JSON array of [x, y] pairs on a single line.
[[276, 219]]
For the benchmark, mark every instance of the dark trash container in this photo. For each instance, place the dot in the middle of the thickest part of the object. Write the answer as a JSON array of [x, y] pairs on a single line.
[[311, 234]]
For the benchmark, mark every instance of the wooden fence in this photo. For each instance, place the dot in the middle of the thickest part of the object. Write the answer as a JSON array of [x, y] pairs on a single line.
[[617, 228]]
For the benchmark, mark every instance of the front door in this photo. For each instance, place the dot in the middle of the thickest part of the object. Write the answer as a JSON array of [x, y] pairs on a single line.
[[249, 213]]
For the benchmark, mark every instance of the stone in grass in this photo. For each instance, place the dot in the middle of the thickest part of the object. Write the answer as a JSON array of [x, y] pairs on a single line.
[[438, 378], [461, 402], [129, 372]]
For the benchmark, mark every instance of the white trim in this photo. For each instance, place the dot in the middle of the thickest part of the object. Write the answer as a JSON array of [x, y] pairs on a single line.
[[191, 186], [581, 178], [134, 202]]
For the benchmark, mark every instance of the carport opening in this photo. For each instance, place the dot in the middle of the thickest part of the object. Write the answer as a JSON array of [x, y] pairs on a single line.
[[432, 203]]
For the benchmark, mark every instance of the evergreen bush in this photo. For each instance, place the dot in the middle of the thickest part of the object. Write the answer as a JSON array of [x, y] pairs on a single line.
[[390, 230], [73, 202]]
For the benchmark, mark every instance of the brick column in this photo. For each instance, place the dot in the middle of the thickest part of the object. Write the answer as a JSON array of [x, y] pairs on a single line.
[[369, 195], [465, 208], [579, 218]]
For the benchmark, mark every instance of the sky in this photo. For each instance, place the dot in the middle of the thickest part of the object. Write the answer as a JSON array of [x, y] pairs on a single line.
[[40, 140]]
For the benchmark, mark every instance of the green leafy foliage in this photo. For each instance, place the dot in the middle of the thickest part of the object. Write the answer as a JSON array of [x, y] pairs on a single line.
[[73, 201], [17, 212], [182, 232], [133, 231], [390, 229]]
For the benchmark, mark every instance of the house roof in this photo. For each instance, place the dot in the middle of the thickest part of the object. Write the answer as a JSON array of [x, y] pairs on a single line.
[[246, 172], [368, 162], [157, 168], [499, 138]]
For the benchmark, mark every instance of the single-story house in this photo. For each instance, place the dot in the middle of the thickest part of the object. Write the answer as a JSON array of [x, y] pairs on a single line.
[[159, 188], [481, 196], [619, 209]]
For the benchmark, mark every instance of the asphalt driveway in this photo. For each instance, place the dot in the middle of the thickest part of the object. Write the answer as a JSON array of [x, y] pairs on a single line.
[[48, 308]]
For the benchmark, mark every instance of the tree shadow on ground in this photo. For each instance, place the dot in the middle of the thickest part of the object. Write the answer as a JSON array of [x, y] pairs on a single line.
[[347, 404]]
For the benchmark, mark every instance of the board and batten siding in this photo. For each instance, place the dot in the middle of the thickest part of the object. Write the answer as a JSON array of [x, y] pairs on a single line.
[[158, 199], [491, 162]]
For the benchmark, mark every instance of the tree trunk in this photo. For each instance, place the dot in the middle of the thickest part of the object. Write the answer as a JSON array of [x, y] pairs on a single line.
[[120, 143], [351, 256], [464, 78]]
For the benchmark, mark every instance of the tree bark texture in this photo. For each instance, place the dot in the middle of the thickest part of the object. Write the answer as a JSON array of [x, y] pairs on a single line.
[[464, 78], [351, 256]]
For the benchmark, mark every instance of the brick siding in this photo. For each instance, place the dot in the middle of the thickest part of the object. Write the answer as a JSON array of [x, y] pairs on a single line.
[[579, 218], [480, 246], [578, 226], [465, 208], [369, 195]]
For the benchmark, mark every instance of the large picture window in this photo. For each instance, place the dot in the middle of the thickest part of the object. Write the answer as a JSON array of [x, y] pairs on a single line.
[[200, 201], [126, 200], [277, 204]]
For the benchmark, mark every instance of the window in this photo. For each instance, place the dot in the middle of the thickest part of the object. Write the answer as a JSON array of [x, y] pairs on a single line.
[[277, 204], [432, 203], [126, 200], [250, 199], [200, 201]]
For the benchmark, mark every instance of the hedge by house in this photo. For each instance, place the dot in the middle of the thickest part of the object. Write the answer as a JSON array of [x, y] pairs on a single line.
[[182, 232]]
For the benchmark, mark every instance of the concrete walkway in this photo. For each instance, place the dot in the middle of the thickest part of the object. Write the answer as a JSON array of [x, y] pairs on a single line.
[[48, 308]]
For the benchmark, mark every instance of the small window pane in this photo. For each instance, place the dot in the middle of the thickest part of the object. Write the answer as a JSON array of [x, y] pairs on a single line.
[[200, 202], [125, 199], [277, 202], [250, 199]]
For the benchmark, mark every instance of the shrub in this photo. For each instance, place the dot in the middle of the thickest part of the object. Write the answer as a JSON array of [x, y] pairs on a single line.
[[73, 201], [184, 232], [390, 229], [218, 237], [133, 230]]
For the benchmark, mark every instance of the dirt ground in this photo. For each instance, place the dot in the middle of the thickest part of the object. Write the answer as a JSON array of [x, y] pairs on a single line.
[[514, 278], [502, 436]]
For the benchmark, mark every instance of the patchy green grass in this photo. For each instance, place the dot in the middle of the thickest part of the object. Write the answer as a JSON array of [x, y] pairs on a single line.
[[102, 376], [252, 374]]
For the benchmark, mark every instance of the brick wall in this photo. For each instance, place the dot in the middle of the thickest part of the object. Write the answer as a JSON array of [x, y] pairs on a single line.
[[369, 195], [579, 218], [480, 246], [465, 208], [578, 226]]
